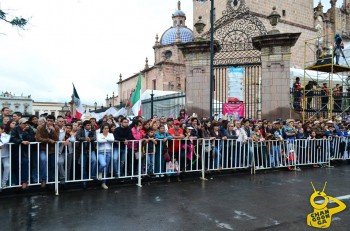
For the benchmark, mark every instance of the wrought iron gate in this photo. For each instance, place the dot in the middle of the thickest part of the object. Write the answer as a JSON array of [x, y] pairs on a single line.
[[234, 32]]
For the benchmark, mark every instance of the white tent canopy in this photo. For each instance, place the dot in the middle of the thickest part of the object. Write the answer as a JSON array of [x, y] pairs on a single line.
[[147, 94], [316, 76]]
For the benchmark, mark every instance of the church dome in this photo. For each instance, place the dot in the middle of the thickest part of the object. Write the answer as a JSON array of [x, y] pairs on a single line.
[[179, 13], [169, 35]]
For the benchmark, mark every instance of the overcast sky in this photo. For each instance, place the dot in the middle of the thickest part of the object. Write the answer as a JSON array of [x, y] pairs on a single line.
[[87, 42]]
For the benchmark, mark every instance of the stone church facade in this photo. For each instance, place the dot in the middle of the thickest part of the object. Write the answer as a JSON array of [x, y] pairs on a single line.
[[169, 69]]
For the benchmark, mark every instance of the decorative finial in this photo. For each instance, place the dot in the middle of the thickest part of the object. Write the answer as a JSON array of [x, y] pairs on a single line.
[[146, 65], [157, 41], [120, 77], [274, 18], [179, 5], [199, 25]]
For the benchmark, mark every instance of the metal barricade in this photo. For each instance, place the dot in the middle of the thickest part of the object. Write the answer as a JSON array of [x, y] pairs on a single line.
[[312, 152], [79, 161], [340, 148]]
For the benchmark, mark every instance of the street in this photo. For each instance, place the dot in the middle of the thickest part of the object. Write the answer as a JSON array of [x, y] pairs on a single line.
[[274, 200]]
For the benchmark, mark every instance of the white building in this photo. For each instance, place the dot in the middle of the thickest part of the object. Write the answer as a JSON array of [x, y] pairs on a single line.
[[23, 104]]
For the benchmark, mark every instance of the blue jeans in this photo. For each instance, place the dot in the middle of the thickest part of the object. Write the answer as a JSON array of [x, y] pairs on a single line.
[[104, 158], [217, 159], [275, 155], [85, 161], [34, 167], [24, 167], [118, 157], [43, 164], [150, 163], [248, 155]]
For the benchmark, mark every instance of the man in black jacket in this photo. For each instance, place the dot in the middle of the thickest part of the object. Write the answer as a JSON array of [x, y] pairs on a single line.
[[121, 135], [87, 136], [21, 136]]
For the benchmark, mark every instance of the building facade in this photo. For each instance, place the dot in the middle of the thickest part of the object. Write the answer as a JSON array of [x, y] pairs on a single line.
[[23, 104], [236, 23], [168, 71]]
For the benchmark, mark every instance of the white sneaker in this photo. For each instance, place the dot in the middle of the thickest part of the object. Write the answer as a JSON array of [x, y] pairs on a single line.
[[4, 184], [104, 186], [99, 176]]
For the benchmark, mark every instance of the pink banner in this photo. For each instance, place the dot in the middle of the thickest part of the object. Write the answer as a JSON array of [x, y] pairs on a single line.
[[235, 110]]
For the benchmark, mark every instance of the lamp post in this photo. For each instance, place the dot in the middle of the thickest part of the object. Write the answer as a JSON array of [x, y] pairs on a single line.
[[211, 55], [152, 104]]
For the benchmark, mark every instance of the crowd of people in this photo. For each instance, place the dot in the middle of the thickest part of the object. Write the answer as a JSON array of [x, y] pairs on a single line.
[[317, 98], [116, 145]]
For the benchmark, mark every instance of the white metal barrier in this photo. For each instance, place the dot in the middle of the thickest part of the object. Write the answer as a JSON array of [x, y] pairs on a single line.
[[79, 161], [340, 148]]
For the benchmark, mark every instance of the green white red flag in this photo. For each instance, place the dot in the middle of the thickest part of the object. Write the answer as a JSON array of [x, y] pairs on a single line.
[[79, 106], [135, 98]]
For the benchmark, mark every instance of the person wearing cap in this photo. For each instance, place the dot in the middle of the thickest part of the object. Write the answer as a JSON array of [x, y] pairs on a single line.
[[47, 135], [22, 135]]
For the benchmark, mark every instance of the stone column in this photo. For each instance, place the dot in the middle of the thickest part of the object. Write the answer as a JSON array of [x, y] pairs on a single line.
[[197, 61], [275, 58]]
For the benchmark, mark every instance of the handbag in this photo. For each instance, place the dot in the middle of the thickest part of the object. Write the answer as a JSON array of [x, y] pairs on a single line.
[[167, 157]]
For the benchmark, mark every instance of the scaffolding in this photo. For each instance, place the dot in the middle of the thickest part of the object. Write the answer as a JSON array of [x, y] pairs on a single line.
[[325, 91]]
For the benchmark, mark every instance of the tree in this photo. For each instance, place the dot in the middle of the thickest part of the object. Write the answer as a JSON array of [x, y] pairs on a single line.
[[16, 21]]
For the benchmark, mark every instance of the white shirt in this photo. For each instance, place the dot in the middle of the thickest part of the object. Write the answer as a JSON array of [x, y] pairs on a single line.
[[104, 143]]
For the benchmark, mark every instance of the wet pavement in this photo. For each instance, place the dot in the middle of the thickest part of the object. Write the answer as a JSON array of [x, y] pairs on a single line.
[[274, 200]]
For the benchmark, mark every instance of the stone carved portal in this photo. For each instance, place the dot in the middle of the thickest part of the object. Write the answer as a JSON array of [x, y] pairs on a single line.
[[234, 32]]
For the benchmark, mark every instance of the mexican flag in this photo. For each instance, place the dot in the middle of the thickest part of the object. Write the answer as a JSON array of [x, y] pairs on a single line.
[[135, 98], [79, 106]]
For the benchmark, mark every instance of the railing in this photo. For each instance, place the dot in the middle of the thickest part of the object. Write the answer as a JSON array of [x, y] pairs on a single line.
[[81, 162]]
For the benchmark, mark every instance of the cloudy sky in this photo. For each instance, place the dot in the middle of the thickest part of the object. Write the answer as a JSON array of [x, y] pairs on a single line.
[[87, 42]]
